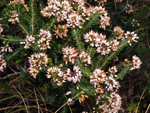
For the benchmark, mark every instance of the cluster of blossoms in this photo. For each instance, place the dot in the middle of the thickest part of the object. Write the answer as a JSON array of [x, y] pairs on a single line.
[[102, 1], [2, 53], [85, 57], [1, 29], [131, 36], [114, 44], [113, 70], [74, 76], [129, 9], [102, 45], [2, 62], [135, 22], [70, 101], [80, 2], [14, 17], [88, 12], [36, 62], [64, 11], [98, 78], [28, 41], [104, 21], [136, 63], [6, 49], [60, 77], [21, 2], [74, 19], [114, 104], [70, 54], [57, 9], [57, 75], [100, 42], [92, 36], [111, 84], [61, 31], [119, 33], [82, 97], [46, 37]]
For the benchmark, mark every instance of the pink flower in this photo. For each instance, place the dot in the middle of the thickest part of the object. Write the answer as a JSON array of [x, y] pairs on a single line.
[[74, 76]]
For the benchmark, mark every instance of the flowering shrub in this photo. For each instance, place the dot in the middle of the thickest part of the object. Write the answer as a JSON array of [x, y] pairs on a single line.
[[63, 48]]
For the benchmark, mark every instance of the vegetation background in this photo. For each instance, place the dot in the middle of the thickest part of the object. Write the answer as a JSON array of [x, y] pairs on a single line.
[[135, 87]]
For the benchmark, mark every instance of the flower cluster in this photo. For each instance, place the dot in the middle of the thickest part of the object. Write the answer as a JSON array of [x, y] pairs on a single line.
[[36, 62], [73, 16], [126, 62], [71, 102], [104, 20], [82, 97], [85, 58], [6, 49], [113, 70], [136, 63], [3, 50], [74, 76], [57, 9], [57, 75], [74, 19], [119, 33], [101, 1], [114, 44], [129, 9], [111, 84], [70, 54], [28, 41], [114, 104], [88, 12], [103, 46], [97, 78], [100, 42], [135, 22], [2, 62], [61, 31], [110, 103], [91, 37], [1, 29], [80, 2], [131, 37], [16, 2], [21, 2], [46, 37], [14, 17]]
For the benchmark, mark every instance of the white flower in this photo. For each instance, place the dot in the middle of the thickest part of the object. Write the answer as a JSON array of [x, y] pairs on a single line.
[[136, 63]]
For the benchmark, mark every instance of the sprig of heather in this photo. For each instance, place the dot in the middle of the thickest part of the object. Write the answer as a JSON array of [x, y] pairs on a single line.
[[73, 64]]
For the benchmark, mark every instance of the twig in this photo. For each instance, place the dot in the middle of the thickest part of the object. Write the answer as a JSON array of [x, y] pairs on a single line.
[[37, 101], [16, 73], [12, 69], [147, 108], [22, 98], [140, 100]]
